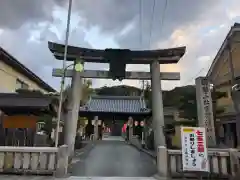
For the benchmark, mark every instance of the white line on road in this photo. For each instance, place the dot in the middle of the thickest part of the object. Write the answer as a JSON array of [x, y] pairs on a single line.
[[110, 178]]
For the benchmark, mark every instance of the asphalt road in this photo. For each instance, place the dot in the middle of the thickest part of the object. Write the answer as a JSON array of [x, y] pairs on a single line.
[[113, 158]]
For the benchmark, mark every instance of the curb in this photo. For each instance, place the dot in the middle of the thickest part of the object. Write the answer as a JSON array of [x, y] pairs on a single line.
[[144, 150], [82, 152], [158, 177], [86, 149]]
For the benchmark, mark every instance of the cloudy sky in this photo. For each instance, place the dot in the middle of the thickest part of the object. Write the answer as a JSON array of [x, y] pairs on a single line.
[[201, 25]]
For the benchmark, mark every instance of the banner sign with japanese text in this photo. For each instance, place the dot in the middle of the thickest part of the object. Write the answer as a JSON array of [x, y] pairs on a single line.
[[194, 149]]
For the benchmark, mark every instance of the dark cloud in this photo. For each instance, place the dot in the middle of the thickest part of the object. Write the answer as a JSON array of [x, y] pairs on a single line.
[[31, 49], [14, 14], [112, 16], [177, 14], [26, 40]]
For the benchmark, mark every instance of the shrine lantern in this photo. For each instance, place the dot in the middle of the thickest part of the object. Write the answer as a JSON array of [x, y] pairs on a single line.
[[136, 123], [130, 122]]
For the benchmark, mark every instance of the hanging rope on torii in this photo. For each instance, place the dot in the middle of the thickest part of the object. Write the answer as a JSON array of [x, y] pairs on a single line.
[[118, 59]]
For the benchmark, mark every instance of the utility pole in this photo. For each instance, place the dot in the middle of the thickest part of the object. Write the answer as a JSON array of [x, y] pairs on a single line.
[[63, 74]]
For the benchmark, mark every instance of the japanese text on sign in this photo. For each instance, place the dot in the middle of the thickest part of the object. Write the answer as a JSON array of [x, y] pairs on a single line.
[[206, 103], [205, 110], [194, 151]]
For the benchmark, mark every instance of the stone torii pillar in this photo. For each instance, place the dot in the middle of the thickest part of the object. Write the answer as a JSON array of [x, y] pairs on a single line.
[[71, 120], [158, 120], [157, 105]]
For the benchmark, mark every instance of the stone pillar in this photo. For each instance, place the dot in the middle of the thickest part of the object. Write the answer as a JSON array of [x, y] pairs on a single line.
[[157, 106], [205, 109], [130, 132], [96, 128], [62, 162], [130, 126], [73, 112], [234, 162], [162, 162]]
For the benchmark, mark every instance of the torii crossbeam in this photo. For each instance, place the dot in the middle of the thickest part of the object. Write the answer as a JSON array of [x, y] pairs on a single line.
[[105, 74], [163, 56]]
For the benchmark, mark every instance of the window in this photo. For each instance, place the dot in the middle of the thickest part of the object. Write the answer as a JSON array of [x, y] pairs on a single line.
[[21, 85]]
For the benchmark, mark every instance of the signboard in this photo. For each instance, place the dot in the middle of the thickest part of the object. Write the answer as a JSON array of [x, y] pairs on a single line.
[[194, 149], [204, 108], [20, 121]]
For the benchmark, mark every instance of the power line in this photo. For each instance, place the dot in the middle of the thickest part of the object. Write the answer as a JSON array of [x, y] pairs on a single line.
[[164, 14], [140, 24], [151, 23], [162, 20], [141, 34]]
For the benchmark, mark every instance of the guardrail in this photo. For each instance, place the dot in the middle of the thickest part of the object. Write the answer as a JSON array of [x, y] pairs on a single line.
[[34, 160], [223, 164]]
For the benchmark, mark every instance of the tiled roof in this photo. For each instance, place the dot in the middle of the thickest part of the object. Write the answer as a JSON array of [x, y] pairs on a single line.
[[14, 103], [116, 104]]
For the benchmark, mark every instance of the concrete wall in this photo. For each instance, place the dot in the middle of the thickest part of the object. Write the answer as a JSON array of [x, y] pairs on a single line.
[[9, 76]]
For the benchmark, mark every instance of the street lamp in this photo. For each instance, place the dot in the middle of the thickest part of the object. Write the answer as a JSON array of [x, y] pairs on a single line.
[[78, 67]]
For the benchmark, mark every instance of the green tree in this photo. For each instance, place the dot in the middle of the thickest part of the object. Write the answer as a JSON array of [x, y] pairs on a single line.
[[188, 104], [86, 92], [122, 90], [48, 124], [148, 95]]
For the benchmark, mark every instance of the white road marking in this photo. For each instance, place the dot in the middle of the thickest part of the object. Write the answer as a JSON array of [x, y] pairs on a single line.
[[13, 177], [113, 138], [110, 178]]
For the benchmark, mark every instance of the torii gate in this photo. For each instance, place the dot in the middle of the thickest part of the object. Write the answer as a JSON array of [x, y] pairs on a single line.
[[117, 58]]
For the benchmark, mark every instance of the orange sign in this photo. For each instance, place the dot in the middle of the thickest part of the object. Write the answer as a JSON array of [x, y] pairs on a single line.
[[19, 121]]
